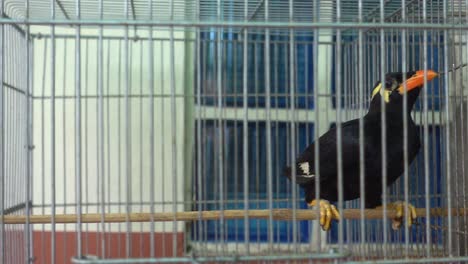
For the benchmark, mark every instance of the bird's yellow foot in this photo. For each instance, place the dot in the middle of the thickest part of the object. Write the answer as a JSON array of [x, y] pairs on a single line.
[[328, 212], [399, 207]]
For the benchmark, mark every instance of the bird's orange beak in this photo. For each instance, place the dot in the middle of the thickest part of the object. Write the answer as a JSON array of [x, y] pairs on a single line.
[[417, 80]]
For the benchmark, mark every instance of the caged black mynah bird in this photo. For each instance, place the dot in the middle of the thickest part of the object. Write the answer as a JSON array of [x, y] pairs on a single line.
[[393, 93]]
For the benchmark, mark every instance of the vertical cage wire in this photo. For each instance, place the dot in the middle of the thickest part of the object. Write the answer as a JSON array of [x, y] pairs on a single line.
[[2, 157], [78, 132]]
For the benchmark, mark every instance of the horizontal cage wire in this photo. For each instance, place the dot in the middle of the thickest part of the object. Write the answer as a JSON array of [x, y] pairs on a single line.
[[260, 131]]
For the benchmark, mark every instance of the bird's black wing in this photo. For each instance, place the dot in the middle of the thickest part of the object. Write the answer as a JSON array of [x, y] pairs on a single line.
[[305, 165]]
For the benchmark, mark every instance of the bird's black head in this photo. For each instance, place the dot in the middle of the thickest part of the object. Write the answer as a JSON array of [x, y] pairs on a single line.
[[393, 89]]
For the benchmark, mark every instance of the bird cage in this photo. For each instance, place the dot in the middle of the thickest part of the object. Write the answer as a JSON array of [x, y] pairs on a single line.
[[142, 131]]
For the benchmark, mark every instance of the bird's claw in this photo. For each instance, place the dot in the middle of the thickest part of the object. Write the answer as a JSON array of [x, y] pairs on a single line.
[[399, 207], [328, 212]]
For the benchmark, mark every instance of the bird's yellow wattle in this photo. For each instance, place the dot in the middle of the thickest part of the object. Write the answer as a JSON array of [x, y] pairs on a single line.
[[384, 93], [376, 90]]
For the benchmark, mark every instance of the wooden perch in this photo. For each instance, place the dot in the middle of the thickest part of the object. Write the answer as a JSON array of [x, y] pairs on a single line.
[[278, 214]]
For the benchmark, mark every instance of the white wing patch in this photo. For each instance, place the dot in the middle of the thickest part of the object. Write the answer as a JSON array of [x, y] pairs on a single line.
[[305, 167]]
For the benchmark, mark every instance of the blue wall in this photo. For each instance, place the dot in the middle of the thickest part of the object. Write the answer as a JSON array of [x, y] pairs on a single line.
[[232, 131]]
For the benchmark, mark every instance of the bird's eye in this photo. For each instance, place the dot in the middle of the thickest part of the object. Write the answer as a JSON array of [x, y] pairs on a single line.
[[388, 84]]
